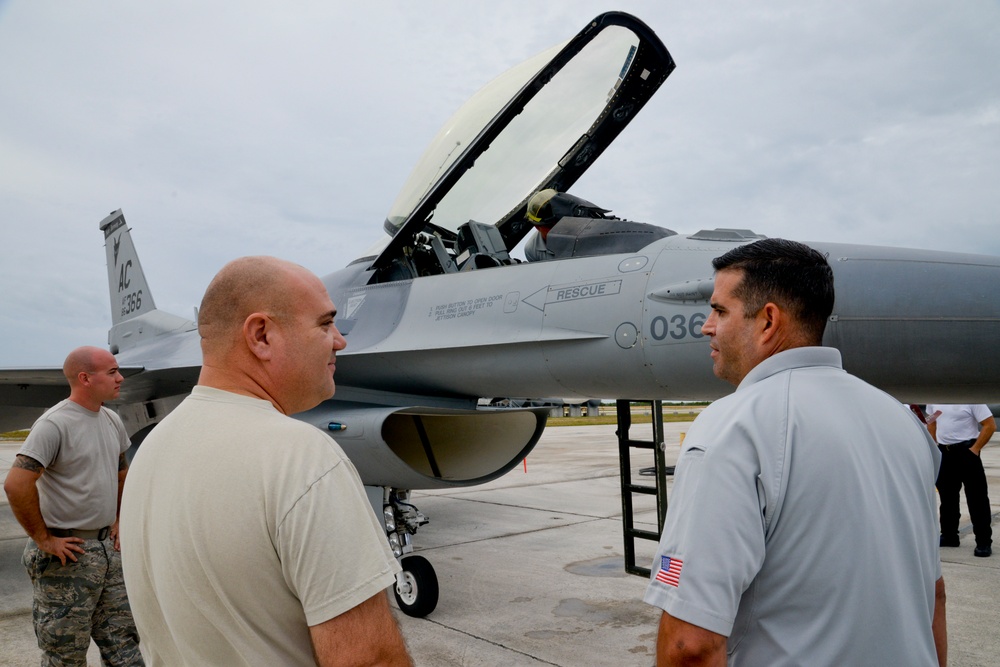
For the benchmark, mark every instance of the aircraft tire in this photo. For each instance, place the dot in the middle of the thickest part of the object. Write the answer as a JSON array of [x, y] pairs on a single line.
[[419, 596]]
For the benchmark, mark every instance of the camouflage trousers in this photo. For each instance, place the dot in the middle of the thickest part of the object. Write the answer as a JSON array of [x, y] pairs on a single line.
[[77, 601]]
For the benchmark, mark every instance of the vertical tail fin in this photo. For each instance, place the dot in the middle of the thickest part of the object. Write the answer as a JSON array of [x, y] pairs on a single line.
[[129, 291], [134, 316]]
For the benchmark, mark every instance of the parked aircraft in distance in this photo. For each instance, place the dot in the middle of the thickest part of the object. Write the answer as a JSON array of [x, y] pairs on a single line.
[[442, 314]]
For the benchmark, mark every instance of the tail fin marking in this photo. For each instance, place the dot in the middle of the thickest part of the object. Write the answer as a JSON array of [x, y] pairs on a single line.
[[129, 291], [133, 313]]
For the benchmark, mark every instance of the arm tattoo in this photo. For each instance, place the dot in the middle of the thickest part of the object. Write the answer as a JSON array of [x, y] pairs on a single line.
[[122, 463], [28, 463]]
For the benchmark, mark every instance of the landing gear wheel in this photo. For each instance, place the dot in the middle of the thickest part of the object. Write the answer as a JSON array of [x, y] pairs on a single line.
[[416, 587]]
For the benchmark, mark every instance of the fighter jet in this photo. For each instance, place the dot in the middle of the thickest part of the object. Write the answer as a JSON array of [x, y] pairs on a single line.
[[441, 313]]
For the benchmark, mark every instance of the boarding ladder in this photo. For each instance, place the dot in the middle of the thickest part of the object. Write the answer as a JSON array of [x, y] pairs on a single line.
[[625, 446]]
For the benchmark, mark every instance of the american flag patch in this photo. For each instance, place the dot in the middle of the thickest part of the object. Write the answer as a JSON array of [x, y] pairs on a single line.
[[670, 571]]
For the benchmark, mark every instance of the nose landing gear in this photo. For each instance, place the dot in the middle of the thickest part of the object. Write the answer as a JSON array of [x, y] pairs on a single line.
[[416, 587]]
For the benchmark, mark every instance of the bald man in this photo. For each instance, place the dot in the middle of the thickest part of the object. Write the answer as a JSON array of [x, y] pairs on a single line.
[[247, 535], [65, 489]]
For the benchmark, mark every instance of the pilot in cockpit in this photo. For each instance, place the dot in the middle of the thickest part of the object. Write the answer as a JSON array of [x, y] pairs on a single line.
[[539, 213]]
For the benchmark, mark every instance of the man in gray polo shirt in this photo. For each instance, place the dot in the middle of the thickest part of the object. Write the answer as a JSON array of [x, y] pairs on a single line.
[[64, 487], [802, 525]]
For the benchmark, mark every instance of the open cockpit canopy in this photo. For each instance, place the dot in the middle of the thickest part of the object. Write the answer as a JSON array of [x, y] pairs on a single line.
[[539, 125]]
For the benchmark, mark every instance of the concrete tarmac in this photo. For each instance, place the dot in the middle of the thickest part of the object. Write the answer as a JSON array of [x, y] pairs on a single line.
[[531, 567]]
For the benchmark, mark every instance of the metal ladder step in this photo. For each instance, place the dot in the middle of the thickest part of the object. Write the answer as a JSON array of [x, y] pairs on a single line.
[[625, 444]]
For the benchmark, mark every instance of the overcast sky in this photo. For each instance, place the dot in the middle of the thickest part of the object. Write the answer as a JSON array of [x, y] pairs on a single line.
[[231, 128]]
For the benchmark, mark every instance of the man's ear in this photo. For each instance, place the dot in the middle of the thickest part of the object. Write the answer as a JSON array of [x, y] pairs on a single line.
[[772, 318], [257, 332]]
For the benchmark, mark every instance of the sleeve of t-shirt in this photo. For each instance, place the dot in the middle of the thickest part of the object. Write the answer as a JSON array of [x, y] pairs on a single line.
[[42, 443], [123, 440], [333, 552], [712, 544], [980, 413]]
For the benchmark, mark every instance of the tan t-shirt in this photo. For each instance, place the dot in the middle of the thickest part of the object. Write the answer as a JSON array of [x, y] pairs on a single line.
[[79, 449], [240, 528]]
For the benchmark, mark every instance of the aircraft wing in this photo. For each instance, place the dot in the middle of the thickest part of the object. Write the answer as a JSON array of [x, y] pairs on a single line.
[[25, 393]]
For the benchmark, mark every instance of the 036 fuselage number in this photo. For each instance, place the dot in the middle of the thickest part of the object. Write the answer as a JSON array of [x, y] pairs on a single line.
[[678, 327]]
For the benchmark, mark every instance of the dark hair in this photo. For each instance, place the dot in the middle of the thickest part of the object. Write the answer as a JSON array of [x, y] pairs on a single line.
[[789, 274]]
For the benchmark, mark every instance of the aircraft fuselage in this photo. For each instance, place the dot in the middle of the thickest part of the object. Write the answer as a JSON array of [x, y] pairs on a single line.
[[629, 325]]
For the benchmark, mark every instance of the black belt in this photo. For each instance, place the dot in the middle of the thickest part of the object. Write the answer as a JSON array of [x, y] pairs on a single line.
[[97, 534], [965, 444]]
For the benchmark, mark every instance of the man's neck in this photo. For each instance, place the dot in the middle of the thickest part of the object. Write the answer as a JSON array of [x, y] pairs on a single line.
[[85, 402], [235, 383]]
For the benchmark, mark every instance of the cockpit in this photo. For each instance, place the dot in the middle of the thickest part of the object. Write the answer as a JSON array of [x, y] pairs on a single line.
[[577, 228], [536, 128]]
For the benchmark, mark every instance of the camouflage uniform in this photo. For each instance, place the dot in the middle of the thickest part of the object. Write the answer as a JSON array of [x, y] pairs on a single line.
[[77, 601]]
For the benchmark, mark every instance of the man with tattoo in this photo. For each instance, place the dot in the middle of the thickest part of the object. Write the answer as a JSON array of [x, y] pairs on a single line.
[[65, 490]]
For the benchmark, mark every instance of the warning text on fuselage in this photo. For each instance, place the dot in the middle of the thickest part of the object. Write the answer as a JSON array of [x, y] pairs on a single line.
[[586, 291]]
